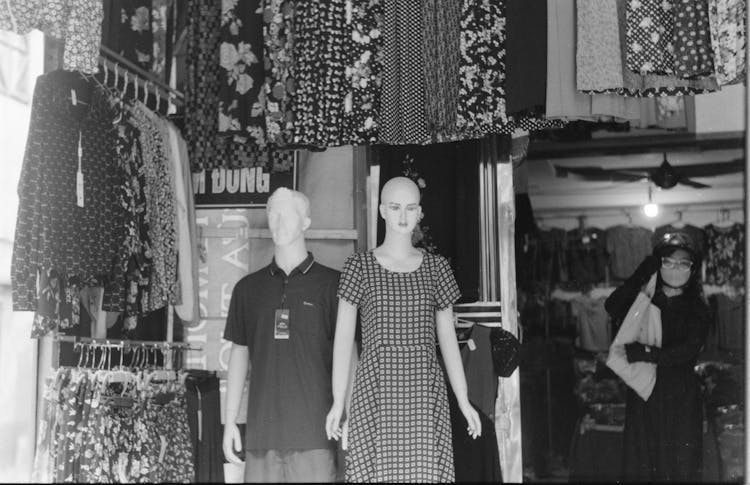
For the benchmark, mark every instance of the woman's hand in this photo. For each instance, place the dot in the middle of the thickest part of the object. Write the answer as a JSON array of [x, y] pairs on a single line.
[[333, 421], [474, 427]]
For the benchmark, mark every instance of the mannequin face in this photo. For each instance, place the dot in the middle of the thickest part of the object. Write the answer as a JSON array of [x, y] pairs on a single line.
[[677, 276], [399, 205], [286, 222]]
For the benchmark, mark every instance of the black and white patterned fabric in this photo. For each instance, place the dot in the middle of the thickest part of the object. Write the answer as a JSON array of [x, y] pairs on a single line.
[[403, 119], [650, 31], [692, 38], [399, 419]]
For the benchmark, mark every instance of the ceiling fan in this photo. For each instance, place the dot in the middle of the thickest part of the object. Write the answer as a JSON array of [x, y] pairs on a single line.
[[665, 175]]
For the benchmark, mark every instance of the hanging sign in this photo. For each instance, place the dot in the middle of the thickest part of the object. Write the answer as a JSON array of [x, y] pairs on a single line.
[[231, 188]]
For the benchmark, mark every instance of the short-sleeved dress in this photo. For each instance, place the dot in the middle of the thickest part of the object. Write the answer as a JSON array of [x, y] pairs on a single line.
[[399, 419]]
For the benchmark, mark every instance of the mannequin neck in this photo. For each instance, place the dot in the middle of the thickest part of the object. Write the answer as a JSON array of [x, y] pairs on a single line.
[[291, 255], [397, 245]]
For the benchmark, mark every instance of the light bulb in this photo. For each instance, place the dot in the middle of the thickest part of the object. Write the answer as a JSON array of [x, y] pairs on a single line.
[[651, 209]]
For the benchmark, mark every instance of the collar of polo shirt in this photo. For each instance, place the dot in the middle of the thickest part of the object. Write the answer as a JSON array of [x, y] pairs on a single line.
[[303, 268]]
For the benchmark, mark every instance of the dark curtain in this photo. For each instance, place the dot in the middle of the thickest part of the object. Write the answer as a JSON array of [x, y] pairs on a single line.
[[450, 202]]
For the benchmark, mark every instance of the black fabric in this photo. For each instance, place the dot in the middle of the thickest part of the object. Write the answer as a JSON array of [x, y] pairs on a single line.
[[506, 351], [525, 55], [203, 395], [475, 460], [662, 437], [450, 202]]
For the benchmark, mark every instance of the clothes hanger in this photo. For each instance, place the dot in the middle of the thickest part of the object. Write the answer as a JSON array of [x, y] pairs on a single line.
[[724, 219], [678, 223]]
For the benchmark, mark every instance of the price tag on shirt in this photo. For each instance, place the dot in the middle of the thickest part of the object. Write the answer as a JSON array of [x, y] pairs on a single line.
[[281, 324], [79, 174]]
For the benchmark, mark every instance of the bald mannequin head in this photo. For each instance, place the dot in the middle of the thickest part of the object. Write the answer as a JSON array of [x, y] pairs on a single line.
[[399, 185]]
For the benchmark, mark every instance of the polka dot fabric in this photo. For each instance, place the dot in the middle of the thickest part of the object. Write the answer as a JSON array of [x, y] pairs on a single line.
[[650, 28], [692, 39], [399, 424]]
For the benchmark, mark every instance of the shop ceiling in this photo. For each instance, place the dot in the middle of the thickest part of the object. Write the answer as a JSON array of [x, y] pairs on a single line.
[[551, 189]]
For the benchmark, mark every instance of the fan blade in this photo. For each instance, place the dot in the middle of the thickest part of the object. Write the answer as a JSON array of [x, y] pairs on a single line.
[[692, 183], [598, 174], [712, 169]]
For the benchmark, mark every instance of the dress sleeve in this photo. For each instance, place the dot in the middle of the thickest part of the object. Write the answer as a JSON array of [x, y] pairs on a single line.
[[447, 292], [350, 284], [239, 318]]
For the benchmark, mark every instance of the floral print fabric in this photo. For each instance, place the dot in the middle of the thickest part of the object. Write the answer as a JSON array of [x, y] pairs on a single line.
[[278, 36], [76, 22], [650, 31], [728, 39], [241, 96], [725, 254], [135, 39], [364, 72], [692, 40]]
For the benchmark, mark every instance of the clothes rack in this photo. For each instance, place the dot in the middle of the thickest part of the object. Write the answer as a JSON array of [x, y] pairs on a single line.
[[105, 342], [145, 78]]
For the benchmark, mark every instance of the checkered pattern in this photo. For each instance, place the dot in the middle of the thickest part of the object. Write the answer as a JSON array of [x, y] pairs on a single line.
[[400, 429]]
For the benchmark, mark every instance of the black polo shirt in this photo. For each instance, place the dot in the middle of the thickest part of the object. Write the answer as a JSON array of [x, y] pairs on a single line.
[[290, 380]]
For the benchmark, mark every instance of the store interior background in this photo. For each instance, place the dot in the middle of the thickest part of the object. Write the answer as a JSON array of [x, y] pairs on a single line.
[[344, 218]]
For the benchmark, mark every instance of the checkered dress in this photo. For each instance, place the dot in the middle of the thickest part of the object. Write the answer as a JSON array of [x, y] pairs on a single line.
[[399, 424]]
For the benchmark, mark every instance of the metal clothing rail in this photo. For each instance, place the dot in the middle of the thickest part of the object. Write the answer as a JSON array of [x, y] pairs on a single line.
[[139, 74], [106, 342]]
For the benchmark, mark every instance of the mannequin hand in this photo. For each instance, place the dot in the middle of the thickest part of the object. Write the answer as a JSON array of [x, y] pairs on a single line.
[[232, 442], [472, 419], [648, 267], [333, 421], [637, 352]]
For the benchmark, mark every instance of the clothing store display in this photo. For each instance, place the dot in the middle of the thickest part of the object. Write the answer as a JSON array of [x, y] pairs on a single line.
[[399, 423], [692, 39], [78, 23], [594, 331], [281, 367], [730, 322], [525, 55], [728, 39], [627, 247], [364, 73], [476, 460], [650, 30], [442, 58], [725, 254], [402, 116], [87, 434], [78, 233], [663, 436], [241, 76], [278, 48], [586, 255], [204, 421], [321, 43]]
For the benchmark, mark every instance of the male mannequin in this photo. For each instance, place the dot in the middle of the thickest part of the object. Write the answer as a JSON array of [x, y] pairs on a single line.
[[282, 319]]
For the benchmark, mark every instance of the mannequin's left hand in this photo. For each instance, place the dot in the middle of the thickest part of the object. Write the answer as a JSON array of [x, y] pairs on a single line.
[[474, 424]]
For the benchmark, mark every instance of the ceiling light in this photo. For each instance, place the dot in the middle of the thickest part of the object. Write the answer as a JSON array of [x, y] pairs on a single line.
[[650, 209]]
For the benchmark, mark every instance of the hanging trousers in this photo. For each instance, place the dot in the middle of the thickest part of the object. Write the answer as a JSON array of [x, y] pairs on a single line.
[[204, 419]]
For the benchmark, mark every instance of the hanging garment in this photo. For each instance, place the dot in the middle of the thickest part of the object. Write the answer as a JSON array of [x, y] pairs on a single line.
[[598, 50], [725, 254], [204, 420], [78, 23], [480, 374], [728, 39], [650, 28], [364, 72], [206, 148], [399, 424], [692, 39], [78, 233], [402, 117], [241, 77], [278, 48], [481, 107], [131, 34], [586, 255], [594, 330], [525, 54], [442, 57], [730, 322], [627, 247], [321, 47]]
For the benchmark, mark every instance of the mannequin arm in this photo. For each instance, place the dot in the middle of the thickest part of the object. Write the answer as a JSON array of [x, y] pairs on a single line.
[[239, 363], [343, 344], [446, 334]]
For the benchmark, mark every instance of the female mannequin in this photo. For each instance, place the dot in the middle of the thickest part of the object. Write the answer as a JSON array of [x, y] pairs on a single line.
[[399, 428]]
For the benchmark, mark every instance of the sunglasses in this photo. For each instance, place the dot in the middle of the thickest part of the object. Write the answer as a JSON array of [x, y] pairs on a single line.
[[679, 264]]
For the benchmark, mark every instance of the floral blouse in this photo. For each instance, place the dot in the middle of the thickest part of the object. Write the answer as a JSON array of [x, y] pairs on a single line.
[[725, 255], [77, 22], [728, 39], [278, 43], [241, 93]]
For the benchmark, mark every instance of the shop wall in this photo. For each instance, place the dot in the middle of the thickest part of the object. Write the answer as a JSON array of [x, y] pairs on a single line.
[[327, 178]]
